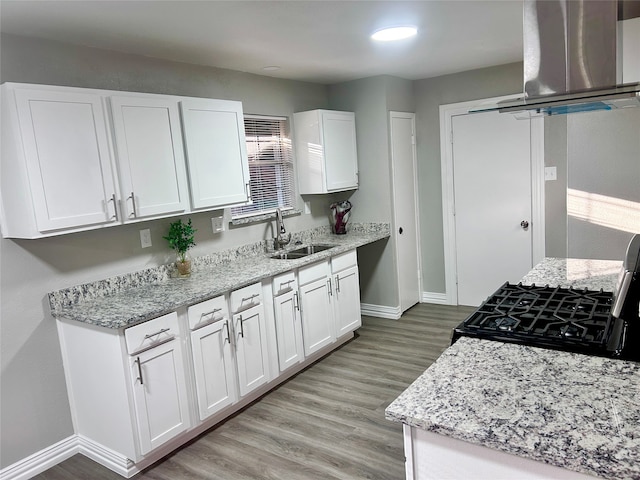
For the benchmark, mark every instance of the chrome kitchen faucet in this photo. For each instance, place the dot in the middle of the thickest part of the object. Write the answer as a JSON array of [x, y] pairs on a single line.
[[280, 240]]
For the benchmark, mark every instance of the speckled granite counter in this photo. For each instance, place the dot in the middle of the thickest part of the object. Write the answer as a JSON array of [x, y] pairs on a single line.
[[123, 301], [574, 411], [576, 273]]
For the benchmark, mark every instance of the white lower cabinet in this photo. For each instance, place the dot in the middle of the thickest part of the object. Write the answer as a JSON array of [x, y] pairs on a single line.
[[316, 303], [158, 379], [250, 337], [344, 269], [213, 360], [142, 391], [286, 305]]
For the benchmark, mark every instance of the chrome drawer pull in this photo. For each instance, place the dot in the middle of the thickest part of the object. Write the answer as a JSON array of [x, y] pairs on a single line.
[[248, 299], [296, 301], [159, 332], [212, 312]]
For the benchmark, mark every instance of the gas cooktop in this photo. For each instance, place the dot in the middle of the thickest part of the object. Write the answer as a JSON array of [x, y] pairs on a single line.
[[567, 319]]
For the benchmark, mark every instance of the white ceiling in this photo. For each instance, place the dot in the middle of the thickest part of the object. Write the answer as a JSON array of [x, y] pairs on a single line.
[[318, 41]]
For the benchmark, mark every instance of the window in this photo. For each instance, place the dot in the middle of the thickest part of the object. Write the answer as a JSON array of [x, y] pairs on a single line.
[[270, 166]]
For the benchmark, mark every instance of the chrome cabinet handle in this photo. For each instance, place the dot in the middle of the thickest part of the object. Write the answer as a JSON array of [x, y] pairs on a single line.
[[524, 224], [159, 332], [296, 301], [133, 204], [337, 283], [329, 286], [115, 206], [248, 299], [228, 339], [212, 312], [241, 327], [139, 370]]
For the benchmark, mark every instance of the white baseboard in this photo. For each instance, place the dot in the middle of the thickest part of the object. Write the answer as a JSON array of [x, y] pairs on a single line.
[[42, 460], [106, 457], [380, 311], [431, 297]]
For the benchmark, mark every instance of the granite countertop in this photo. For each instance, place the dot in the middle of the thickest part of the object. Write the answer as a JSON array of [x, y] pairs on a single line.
[[157, 293], [573, 411], [575, 273]]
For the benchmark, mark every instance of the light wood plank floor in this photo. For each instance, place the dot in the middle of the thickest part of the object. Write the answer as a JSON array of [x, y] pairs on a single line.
[[327, 422]]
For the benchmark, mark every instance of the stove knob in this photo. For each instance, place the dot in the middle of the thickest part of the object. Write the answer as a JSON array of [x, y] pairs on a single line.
[[524, 224]]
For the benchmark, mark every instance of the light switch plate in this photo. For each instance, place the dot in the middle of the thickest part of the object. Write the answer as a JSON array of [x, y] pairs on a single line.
[[145, 238], [217, 224], [550, 173]]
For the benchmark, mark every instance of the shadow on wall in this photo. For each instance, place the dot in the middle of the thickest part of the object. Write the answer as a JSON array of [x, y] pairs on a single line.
[[369, 256]]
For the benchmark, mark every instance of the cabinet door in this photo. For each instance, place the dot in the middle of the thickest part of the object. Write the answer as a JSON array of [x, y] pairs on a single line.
[[317, 315], [160, 394], [251, 348], [216, 152], [64, 136], [214, 367], [153, 178], [347, 301], [341, 158], [288, 329]]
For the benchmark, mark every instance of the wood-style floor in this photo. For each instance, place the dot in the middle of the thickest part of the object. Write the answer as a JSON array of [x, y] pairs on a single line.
[[327, 422]]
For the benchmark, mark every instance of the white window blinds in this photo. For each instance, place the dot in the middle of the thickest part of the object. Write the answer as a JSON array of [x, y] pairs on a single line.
[[270, 165]]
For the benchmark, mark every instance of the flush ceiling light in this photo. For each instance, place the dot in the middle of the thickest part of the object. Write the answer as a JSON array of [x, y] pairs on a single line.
[[394, 33]]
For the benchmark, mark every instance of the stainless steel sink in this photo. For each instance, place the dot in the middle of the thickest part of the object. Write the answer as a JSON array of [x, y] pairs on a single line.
[[301, 252]]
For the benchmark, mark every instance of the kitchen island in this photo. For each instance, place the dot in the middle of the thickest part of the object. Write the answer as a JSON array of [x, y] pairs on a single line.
[[488, 409]]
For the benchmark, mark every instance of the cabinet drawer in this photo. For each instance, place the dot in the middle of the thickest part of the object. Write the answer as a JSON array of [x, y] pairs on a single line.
[[284, 283], [152, 333], [313, 272], [344, 261], [207, 312], [246, 297]]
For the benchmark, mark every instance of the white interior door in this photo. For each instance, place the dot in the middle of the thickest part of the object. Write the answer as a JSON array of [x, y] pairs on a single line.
[[492, 195], [403, 158]]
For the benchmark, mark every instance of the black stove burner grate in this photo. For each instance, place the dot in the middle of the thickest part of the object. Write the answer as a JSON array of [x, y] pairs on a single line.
[[550, 317]]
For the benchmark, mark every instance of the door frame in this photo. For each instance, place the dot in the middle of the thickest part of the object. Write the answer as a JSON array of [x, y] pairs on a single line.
[[416, 200], [447, 112]]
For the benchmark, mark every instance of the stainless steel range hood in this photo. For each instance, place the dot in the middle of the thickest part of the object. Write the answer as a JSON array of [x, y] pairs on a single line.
[[571, 59]]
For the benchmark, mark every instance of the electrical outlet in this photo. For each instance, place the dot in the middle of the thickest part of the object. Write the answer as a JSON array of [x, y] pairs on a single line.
[[550, 173], [145, 238], [217, 224]]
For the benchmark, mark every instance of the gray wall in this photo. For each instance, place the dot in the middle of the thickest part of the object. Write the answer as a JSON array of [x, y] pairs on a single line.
[[35, 409], [603, 157], [372, 99], [555, 155], [429, 95]]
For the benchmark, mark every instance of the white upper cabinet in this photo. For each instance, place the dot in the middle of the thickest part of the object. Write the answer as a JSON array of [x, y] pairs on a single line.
[[70, 164], [149, 151], [56, 165], [327, 158], [216, 152]]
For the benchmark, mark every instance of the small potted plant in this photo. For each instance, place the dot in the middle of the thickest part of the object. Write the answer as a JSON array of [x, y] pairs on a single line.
[[180, 238]]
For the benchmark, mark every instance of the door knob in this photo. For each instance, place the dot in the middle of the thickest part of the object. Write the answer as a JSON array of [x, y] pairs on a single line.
[[524, 224], [400, 231]]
